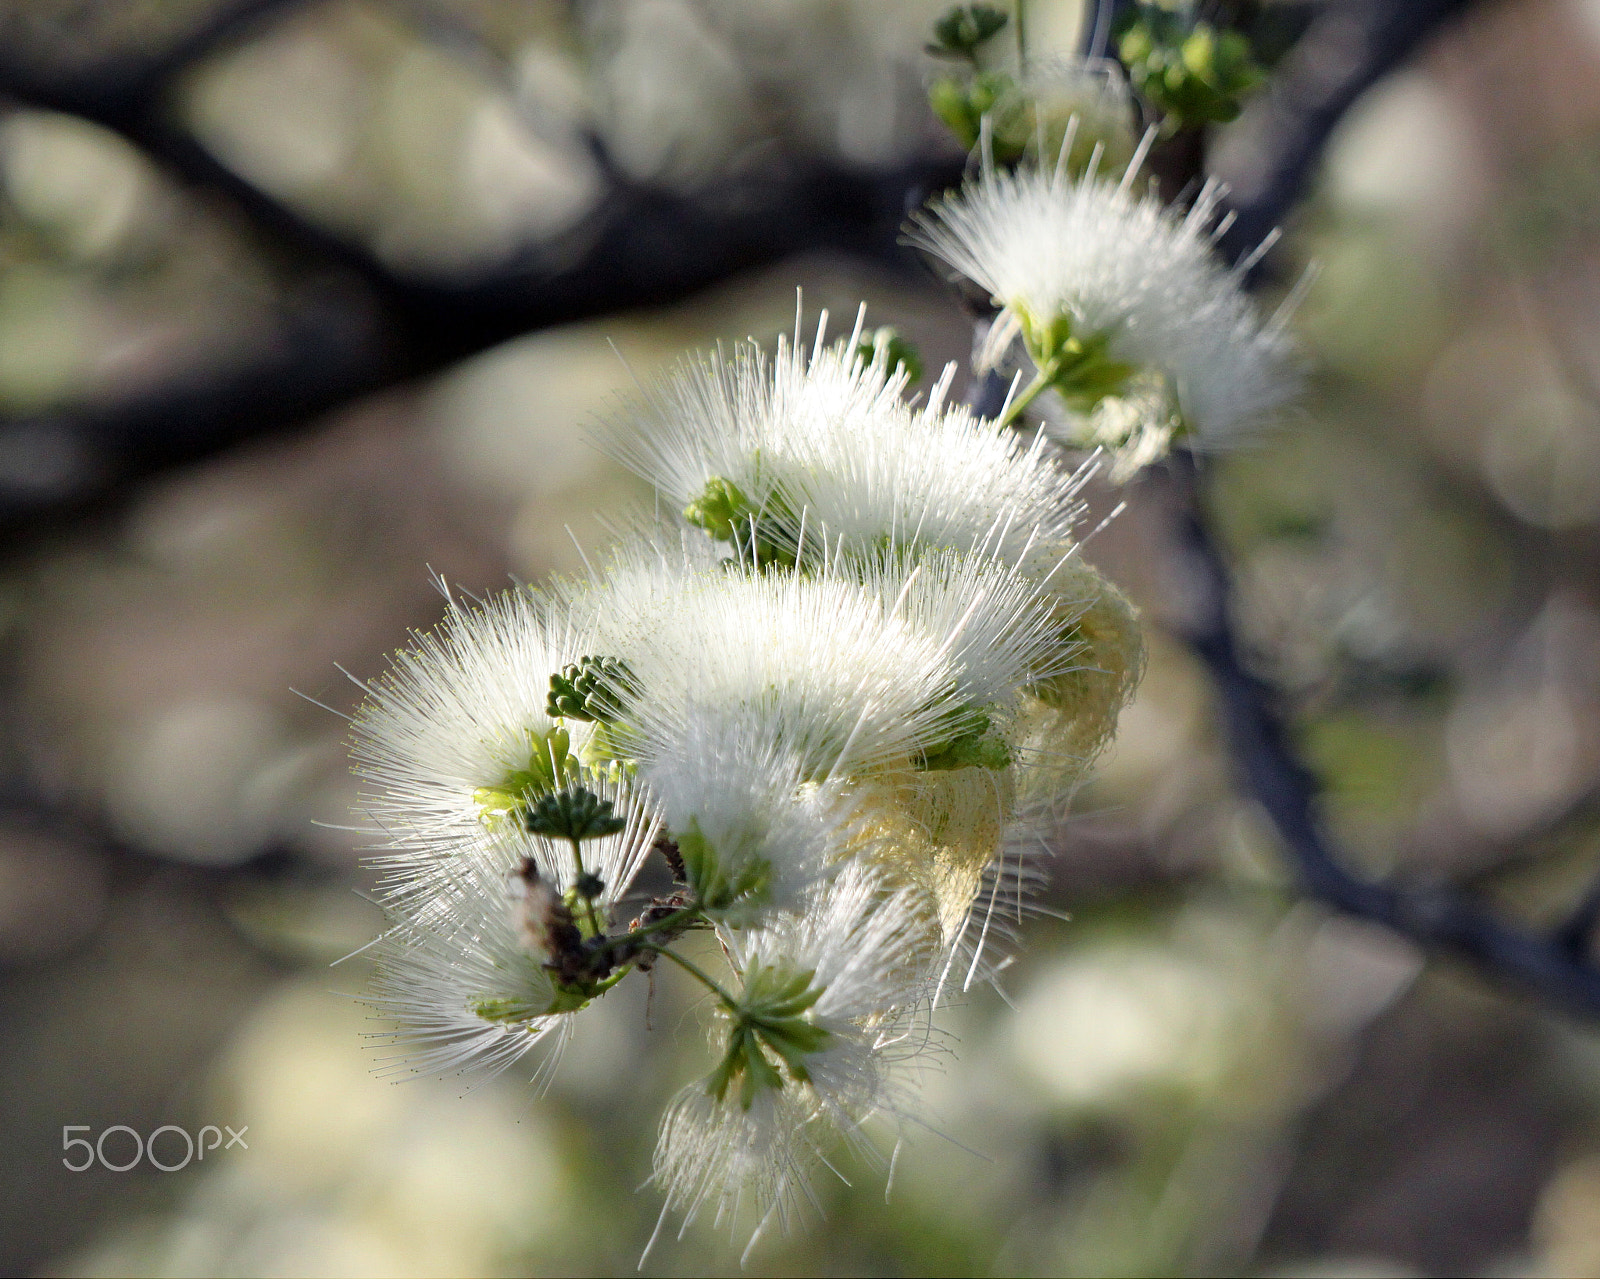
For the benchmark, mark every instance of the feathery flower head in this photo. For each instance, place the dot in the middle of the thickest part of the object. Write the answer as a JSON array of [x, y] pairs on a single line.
[[810, 1037], [820, 447], [458, 734], [502, 939], [826, 993], [752, 835], [1101, 283], [716, 1153], [832, 669]]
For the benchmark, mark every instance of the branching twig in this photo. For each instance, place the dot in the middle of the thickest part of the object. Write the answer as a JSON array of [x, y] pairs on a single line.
[[1439, 918], [1346, 50], [367, 326]]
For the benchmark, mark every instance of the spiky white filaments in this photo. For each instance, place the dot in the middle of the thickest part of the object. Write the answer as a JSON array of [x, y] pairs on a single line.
[[823, 445], [863, 949], [832, 707], [1118, 264], [462, 971], [713, 1154], [841, 680], [459, 980], [849, 668], [461, 710], [868, 949]]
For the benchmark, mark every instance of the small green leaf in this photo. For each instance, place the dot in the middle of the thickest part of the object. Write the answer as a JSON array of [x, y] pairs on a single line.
[[769, 1018], [717, 885], [550, 764], [971, 742]]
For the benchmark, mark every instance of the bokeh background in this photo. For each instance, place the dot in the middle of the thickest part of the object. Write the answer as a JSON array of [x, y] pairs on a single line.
[[335, 310]]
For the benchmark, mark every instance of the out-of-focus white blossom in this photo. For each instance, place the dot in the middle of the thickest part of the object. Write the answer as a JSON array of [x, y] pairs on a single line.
[[816, 1036], [1135, 286]]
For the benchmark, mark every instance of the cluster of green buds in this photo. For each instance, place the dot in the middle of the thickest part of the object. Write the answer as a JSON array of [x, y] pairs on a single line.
[[758, 536], [887, 348], [976, 89], [1026, 106], [1192, 73], [589, 689]]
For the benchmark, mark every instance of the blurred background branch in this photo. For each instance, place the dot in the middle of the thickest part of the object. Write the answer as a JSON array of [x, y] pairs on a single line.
[[355, 323]]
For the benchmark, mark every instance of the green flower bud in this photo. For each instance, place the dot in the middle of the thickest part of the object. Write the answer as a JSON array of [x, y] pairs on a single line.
[[719, 505], [962, 30], [588, 690], [888, 348], [1193, 75], [574, 813]]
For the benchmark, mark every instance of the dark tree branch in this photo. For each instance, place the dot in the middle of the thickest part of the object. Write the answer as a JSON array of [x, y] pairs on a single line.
[[124, 81], [1439, 918], [1349, 47], [1346, 50], [364, 326]]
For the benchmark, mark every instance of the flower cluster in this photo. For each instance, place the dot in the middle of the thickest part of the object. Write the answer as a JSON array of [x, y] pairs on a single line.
[[837, 691]]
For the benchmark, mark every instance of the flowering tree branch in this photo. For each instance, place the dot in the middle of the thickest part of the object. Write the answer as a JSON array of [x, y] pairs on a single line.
[[375, 327], [1347, 49]]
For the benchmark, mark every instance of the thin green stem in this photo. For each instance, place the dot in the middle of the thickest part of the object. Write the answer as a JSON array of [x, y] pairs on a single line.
[[697, 971], [605, 984], [588, 902], [1022, 36], [1030, 393]]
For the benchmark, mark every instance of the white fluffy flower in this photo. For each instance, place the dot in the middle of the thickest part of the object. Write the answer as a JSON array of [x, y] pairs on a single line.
[[870, 953], [462, 980], [816, 1040], [443, 733], [751, 833], [736, 1161], [823, 443], [1117, 267], [819, 663]]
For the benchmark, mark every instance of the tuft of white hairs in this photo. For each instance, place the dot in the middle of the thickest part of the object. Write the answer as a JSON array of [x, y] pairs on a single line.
[[1119, 264], [824, 440], [871, 957], [457, 711]]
